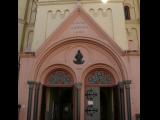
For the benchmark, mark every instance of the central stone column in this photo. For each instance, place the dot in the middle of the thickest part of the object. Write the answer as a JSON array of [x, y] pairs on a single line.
[[77, 88]]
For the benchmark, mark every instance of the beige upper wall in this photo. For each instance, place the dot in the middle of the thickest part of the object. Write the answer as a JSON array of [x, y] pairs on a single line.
[[20, 29], [76, 0], [21, 8], [26, 18], [110, 17], [113, 23], [21, 14]]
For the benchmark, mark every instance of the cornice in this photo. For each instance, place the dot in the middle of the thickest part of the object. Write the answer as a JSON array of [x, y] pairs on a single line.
[[137, 21], [132, 53], [41, 3], [25, 23], [29, 25], [21, 21], [26, 54]]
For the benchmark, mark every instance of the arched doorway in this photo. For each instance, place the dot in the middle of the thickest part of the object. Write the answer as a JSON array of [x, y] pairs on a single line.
[[57, 96], [108, 59], [100, 96]]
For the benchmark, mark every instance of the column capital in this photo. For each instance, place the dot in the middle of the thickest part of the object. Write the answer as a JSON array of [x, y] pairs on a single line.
[[78, 85], [31, 83], [37, 84], [127, 83], [121, 85]]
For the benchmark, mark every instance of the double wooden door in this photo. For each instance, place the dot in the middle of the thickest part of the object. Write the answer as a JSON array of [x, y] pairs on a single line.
[[101, 103]]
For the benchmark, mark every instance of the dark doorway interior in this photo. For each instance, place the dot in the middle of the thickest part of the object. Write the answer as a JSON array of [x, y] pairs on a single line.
[[60, 104], [106, 105]]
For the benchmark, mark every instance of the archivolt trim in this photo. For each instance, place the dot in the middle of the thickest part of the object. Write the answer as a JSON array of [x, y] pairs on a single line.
[[87, 71], [42, 55]]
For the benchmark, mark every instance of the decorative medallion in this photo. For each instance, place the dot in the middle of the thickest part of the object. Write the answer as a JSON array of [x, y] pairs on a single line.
[[79, 58]]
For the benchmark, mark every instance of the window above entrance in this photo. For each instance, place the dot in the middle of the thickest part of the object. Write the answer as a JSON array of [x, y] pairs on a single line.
[[59, 77], [100, 77]]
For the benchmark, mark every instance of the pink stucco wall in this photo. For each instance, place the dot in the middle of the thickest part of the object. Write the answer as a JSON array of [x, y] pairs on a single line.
[[98, 49]]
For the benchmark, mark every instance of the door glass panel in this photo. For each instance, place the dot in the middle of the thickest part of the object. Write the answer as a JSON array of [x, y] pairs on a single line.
[[99, 103], [92, 109]]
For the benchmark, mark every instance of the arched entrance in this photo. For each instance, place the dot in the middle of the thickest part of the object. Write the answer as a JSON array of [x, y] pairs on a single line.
[[57, 96], [108, 63], [100, 95], [61, 48], [61, 55]]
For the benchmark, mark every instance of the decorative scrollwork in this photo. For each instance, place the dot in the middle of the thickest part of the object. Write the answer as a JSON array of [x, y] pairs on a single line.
[[59, 77], [100, 77]]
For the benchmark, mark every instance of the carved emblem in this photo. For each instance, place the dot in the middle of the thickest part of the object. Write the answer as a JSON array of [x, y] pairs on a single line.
[[79, 58]]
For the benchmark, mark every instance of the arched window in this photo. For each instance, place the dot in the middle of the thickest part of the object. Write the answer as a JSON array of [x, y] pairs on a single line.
[[100, 76], [59, 77], [127, 13]]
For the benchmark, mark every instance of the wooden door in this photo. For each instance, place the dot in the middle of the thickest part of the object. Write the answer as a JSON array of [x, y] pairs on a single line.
[[92, 103]]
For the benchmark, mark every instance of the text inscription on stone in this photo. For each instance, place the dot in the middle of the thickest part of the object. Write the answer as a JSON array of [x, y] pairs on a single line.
[[79, 27]]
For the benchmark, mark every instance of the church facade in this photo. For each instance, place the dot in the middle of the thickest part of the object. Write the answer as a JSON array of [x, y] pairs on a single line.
[[79, 60]]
